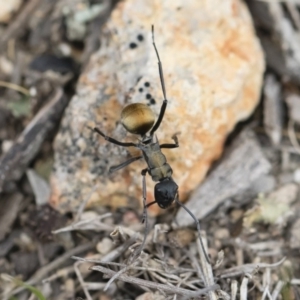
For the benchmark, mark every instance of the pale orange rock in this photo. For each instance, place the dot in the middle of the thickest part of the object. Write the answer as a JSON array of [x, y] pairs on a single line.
[[8, 8], [213, 67]]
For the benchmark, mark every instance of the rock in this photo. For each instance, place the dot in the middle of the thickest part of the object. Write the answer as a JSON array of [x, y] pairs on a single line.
[[150, 296], [9, 209], [25, 263], [295, 235], [231, 178], [213, 67], [39, 187], [7, 9], [273, 208]]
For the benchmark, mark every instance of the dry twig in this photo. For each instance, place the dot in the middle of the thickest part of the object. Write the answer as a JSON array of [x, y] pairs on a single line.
[[15, 161], [156, 286], [247, 268]]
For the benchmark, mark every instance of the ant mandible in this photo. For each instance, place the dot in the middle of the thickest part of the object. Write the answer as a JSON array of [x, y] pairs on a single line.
[[138, 118]]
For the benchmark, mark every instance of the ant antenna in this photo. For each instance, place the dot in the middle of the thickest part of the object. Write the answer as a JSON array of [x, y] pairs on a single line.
[[162, 82], [161, 74], [198, 227]]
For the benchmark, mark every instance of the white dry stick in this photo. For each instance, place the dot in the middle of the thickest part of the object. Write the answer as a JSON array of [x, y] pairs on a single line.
[[289, 37], [92, 224], [277, 289], [183, 280], [220, 259], [239, 254], [196, 265], [234, 289], [208, 276], [223, 295], [244, 288], [266, 293], [154, 285], [273, 118], [292, 136], [295, 281], [94, 286], [60, 273], [265, 245], [82, 283], [267, 278], [247, 268], [117, 274], [263, 297], [113, 255]]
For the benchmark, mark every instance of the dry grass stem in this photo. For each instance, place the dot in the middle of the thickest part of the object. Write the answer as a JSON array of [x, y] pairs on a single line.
[[92, 224], [208, 276], [14, 87], [234, 289], [292, 136], [60, 273], [153, 285], [81, 281], [247, 268], [244, 289]]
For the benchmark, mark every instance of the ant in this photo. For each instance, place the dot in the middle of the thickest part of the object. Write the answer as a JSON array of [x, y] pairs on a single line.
[[138, 118]]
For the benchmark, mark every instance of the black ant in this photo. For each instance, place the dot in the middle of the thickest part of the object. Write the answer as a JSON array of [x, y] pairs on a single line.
[[138, 118]]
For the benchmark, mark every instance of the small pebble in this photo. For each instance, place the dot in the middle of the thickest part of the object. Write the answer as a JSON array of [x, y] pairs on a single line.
[[105, 246]]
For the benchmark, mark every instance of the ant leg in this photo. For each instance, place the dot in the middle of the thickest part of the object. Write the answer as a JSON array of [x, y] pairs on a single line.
[[138, 251], [171, 146], [198, 227], [113, 141], [145, 206], [162, 82], [124, 164], [151, 203], [145, 216]]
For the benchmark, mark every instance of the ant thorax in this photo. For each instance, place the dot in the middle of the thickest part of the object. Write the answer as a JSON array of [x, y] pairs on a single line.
[[146, 139], [158, 167]]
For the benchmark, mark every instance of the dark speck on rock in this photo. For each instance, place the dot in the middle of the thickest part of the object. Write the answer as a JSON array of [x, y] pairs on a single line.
[[132, 45], [140, 37]]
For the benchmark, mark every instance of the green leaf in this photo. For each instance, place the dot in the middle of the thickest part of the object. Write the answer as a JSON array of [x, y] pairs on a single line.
[[21, 107], [32, 289]]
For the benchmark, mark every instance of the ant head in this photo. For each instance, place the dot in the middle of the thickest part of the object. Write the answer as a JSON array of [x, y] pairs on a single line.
[[137, 118], [165, 192]]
